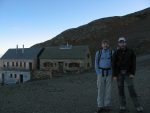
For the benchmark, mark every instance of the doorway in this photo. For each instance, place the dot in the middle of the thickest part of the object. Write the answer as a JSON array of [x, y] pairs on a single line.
[[21, 78], [3, 79], [30, 66], [60, 66]]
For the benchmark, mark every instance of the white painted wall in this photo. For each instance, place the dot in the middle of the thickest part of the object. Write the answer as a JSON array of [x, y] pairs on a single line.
[[10, 80]]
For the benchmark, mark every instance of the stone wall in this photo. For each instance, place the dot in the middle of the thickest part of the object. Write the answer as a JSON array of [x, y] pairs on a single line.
[[41, 74]]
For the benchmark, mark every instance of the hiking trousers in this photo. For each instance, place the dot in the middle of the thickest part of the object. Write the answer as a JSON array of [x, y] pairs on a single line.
[[129, 82], [104, 85]]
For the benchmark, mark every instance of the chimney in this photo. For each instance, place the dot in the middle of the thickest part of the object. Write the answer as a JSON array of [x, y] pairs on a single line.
[[17, 48], [22, 49]]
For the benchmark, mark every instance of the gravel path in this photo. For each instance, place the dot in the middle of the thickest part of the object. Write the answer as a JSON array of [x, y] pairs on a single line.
[[70, 93]]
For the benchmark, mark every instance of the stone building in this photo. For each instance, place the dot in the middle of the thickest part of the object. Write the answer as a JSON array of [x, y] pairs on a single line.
[[22, 64], [66, 58], [17, 64]]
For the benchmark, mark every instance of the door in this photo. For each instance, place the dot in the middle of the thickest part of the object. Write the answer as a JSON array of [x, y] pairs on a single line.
[[61, 67], [21, 78], [3, 79], [30, 66]]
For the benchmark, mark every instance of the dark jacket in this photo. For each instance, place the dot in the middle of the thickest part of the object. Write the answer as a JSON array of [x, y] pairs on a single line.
[[124, 60]]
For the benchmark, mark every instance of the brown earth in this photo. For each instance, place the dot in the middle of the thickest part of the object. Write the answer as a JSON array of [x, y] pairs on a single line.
[[72, 93]]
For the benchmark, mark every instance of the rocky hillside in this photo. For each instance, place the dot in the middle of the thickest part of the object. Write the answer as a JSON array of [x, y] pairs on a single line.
[[135, 27]]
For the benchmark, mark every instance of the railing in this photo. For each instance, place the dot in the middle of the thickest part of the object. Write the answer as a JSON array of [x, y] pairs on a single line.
[[13, 69]]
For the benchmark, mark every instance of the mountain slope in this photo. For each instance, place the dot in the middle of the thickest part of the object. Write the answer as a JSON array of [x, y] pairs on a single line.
[[135, 27]]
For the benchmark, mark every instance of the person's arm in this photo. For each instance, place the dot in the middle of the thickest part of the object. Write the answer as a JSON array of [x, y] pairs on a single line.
[[96, 63], [133, 63], [114, 74]]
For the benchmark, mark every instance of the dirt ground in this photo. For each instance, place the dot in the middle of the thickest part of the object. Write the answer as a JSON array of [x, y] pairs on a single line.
[[72, 93]]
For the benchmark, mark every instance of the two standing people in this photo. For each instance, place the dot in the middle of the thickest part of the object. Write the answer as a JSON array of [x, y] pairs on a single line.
[[120, 66]]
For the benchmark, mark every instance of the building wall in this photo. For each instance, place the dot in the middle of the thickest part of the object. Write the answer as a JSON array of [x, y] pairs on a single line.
[[14, 76], [17, 64], [79, 64], [14, 69]]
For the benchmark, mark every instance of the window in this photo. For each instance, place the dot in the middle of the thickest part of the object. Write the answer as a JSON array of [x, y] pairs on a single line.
[[16, 64], [10, 75], [7, 64], [66, 64], [24, 64], [13, 64], [88, 55], [20, 64], [47, 64], [15, 75], [88, 64], [74, 65]]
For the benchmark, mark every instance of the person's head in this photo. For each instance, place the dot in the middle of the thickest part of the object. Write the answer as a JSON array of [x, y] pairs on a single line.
[[105, 44], [122, 43]]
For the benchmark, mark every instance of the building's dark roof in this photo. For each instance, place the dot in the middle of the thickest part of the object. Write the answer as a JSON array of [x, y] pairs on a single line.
[[73, 52], [29, 53]]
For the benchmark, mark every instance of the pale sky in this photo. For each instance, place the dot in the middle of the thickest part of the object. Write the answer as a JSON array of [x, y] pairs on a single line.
[[33, 21]]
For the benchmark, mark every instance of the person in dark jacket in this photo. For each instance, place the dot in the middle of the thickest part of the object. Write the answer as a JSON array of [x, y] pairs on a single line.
[[124, 67]]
